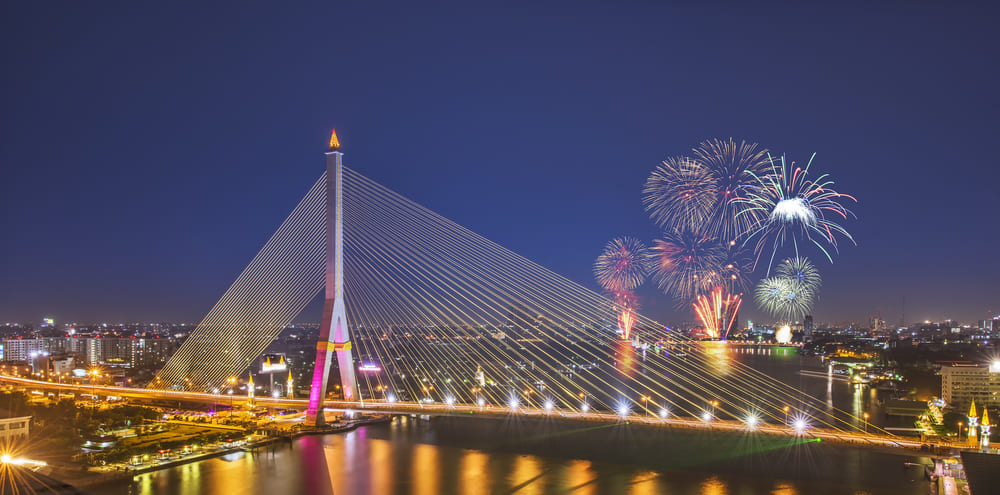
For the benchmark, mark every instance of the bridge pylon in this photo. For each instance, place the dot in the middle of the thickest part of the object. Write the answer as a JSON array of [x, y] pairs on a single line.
[[334, 333]]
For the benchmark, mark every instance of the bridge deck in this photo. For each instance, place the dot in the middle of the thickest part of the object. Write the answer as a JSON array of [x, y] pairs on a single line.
[[438, 409]]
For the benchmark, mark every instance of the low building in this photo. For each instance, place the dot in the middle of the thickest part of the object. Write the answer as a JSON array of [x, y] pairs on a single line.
[[963, 383], [11, 428]]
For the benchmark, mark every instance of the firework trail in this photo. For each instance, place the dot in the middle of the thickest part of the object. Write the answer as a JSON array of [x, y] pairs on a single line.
[[735, 168], [680, 194], [620, 269], [792, 206], [717, 313]]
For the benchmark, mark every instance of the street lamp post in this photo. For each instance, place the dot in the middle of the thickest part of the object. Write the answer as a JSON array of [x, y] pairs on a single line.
[[866, 422], [960, 431], [786, 415]]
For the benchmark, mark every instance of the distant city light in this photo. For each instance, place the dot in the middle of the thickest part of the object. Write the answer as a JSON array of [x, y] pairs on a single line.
[[369, 368]]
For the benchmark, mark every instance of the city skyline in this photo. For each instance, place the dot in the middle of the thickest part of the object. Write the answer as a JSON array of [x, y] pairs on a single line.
[[143, 185]]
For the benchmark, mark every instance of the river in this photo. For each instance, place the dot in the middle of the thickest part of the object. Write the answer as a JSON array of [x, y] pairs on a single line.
[[458, 455]]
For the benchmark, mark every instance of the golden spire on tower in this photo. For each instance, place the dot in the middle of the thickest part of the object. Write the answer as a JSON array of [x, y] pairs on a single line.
[[972, 409], [986, 416], [334, 142]]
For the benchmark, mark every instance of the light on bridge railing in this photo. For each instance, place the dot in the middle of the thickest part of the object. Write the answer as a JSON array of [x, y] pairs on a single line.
[[548, 406], [481, 402], [664, 413], [752, 421], [623, 410], [706, 416], [585, 407], [800, 425], [391, 398], [512, 403], [450, 401]]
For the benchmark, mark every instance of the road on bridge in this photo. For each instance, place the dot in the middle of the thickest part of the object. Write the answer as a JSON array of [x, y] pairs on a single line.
[[438, 409]]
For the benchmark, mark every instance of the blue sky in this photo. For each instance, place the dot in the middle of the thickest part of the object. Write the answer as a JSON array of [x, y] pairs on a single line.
[[148, 150]]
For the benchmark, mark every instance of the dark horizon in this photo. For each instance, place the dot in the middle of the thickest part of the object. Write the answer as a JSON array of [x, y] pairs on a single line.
[[150, 151]]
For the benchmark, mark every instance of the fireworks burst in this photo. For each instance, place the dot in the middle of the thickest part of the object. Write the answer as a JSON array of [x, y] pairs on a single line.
[[685, 263], [622, 266], [735, 269], [680, 194], [717, 313], [735, 167], [783, 298], [790, 205], [802, 272]]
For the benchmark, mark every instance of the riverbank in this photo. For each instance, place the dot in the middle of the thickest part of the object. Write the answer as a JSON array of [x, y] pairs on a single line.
[[117, 472]]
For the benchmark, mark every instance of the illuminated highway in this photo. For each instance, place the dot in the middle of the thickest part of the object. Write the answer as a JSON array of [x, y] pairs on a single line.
[[439, 409]]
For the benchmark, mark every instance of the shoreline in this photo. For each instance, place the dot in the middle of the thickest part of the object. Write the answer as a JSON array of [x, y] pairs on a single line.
[[118, 472]]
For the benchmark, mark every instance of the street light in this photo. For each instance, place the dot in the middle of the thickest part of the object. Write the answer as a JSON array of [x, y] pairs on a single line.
[[786, 415], [866, 422], [960, 431]]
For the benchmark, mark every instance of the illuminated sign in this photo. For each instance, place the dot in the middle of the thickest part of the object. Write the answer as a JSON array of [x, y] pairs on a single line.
[[273, 363], [370, 368]]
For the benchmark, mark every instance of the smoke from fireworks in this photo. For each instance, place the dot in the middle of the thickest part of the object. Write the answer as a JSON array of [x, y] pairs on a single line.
[[792, 206], [681, 194], [735, 168]]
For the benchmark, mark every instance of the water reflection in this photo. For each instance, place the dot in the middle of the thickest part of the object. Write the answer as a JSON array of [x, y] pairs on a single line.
[[475, 474], [714, 486], [469, 455]]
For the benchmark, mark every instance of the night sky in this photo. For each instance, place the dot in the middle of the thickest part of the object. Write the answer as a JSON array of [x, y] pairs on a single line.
[[149, 151]]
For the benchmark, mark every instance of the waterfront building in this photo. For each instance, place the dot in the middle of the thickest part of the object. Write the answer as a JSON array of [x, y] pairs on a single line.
[[962, 384]]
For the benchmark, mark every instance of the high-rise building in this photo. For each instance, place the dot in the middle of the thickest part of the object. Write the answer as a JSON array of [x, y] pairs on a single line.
[[22, 349], [807, 329]]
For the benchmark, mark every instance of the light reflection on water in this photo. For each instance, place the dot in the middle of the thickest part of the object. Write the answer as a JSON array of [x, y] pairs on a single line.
[[469, 455], [427, 457]]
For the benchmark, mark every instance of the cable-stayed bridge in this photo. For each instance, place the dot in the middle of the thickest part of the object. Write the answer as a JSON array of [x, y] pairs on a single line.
[[423, 313]]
